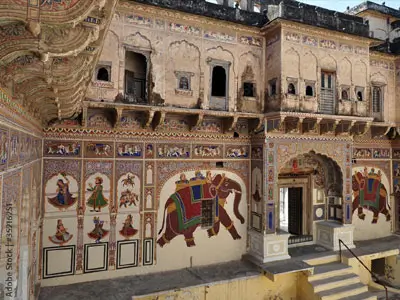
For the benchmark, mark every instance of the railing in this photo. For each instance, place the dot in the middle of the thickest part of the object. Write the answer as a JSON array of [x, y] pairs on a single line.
[[359, 260]]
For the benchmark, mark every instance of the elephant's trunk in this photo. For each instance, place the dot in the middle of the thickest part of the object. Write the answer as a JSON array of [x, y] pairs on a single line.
[[238, 198]]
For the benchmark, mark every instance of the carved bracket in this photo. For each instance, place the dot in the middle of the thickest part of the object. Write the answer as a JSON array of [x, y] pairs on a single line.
[[196, 121], [230, 123], [118, 116], [255, 125], [149, 119], [158, 119]]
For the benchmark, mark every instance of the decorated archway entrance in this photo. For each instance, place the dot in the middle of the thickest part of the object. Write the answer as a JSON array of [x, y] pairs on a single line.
[[310, 189]]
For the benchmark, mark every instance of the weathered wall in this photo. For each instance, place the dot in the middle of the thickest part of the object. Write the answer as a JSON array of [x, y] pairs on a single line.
[[20, 220], [257, 288], [175, 42], [308, 52]]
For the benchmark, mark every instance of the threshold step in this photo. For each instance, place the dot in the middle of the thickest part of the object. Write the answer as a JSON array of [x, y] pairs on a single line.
[[343, 291], [335, 281], [329, 270], [362, 296]]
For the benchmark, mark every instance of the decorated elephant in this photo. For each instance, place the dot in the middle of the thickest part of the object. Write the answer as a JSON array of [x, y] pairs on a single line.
[[187, 209], [371, 194]]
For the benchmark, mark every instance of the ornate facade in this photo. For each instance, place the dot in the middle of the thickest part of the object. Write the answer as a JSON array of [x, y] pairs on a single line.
[[131, 131]]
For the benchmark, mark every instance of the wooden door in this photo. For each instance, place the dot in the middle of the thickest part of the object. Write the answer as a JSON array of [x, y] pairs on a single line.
[[295, 211]]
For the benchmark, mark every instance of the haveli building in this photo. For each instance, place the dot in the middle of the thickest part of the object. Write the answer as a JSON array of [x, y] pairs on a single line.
[[146, 136]]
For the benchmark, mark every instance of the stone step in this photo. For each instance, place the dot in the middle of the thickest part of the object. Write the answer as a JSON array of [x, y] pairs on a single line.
[[343, 291], [329, 270], [335, 281], [362, 296], [322, 260]]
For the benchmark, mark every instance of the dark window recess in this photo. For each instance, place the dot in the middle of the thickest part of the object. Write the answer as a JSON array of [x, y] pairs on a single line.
[[218, 82], [359, 96], [323, 80], [309, 91], [235, 134], [102, 74], [248, 89], [219, 164], [273, 89], [184, 83], [291, 89], [207, 216], [329, 81], [345, 95], [135, 88], [376, 100]]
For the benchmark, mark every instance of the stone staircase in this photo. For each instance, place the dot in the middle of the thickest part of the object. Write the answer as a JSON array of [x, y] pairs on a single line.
[[333, 280]]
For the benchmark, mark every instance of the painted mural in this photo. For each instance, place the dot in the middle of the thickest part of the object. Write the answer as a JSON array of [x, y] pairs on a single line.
[[98, 231], [128, 230], [3, 148], [97, 195], [371, 207], [62, 191], [128, 191], [369, 193], [200, 202], [62, 236]]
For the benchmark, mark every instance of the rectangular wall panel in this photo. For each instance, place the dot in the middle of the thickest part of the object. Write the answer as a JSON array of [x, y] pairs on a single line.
[[127, 254], [58, 261], [96, 256], [148, 250]]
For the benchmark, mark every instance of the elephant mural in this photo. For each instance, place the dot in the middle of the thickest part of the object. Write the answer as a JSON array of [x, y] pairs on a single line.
[[187, 208], [371, 194]]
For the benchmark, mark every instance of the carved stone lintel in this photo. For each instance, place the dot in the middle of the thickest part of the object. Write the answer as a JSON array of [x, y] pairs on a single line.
[[149, 120], [196, 121], [158, 119]]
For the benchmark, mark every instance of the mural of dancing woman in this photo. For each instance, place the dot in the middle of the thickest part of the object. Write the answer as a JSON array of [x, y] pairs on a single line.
[[63, 198]]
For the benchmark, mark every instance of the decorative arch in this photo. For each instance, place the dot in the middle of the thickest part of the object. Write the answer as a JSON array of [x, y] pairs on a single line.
[[378, 77], [223, 51], [309, 66], [138, 40], [293, 62], [328, 63]]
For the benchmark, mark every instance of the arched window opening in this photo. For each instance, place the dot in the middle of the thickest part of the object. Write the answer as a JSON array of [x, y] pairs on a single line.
[[218, 88], [184, 83], [291, 89], [248, 89], [102, 75], [359, 96], [309, 91], [345, 95]]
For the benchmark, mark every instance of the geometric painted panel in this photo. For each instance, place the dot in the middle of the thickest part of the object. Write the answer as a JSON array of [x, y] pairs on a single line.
[[96, 256], [148, 252], [127, 254], [58, 261]]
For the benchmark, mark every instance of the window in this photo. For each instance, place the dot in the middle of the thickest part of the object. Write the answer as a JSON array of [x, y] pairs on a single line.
[[291, 89], [345, 95], [102, 74], [359, 93], [327, 103], [248, 89], [376, 99], [309, 91], [135, 77], [207, 215], [218, 88], [272, 87], [184, 83]]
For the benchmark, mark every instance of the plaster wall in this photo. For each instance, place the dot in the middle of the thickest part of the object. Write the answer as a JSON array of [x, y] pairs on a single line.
[[307, 53], [176, 42], [257, 288]]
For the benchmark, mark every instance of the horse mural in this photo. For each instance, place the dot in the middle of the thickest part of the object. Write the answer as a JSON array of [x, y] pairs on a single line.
[[371, 194], [185, 208]]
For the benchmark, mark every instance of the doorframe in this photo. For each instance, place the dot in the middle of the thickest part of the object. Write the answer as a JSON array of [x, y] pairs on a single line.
[[305, 183]]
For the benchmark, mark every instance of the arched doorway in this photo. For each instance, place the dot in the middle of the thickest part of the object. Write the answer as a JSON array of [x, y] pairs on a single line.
[[310, 190]]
